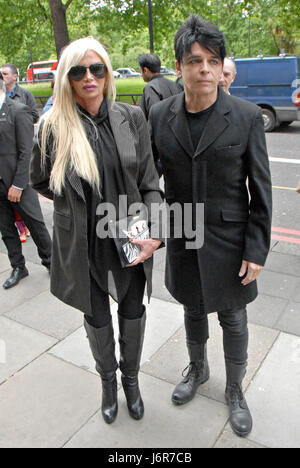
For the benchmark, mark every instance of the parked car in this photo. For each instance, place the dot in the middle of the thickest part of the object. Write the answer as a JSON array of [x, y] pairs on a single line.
[[116, 74], [128, 72], [273, 83], [167, 71]]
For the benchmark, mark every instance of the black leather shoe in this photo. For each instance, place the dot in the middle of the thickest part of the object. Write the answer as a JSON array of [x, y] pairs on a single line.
[[102, 344], [239, 415], [198, 374], [134, 400], [131, 340], [17, 275], [109, 398]]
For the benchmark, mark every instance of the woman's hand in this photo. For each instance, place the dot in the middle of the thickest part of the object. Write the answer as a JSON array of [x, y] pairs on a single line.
[[148, 247]]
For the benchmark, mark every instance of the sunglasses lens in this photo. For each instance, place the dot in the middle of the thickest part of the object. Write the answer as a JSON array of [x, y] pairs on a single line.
[[77, 73], [99, 70]]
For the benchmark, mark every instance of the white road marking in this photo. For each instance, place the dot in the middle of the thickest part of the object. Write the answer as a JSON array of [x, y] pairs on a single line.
[[283, 160]]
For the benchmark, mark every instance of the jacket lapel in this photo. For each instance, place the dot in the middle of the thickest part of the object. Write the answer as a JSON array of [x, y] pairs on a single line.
[[125, 144], [179, 125], [75, 182], [217, 123]]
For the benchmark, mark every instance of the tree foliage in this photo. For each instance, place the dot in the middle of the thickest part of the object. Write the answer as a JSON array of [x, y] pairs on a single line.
[[250, 26]]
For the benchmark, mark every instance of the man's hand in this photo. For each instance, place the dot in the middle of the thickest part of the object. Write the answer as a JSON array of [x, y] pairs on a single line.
[[14, 195], [148, 247], [253, 271]]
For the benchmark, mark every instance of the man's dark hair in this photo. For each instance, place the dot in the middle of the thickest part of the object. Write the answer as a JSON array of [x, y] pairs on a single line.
[[150, 61], [1, 76], [205, 33], [12, 67]]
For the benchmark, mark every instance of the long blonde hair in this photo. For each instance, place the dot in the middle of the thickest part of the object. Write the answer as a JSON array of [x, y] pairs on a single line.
[[71, 146]]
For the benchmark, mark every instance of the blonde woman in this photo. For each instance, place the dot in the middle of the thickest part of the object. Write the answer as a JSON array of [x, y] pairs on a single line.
[[91, 151]]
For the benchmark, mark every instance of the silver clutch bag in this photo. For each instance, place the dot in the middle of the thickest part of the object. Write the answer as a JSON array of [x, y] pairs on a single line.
[[123, 231]]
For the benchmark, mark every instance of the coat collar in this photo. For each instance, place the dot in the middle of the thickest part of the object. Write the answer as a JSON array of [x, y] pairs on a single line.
[[124, 141], [217, 123], [125, 146]]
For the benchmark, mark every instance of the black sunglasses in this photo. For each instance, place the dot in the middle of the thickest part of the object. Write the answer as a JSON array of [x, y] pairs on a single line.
[[77, 73]]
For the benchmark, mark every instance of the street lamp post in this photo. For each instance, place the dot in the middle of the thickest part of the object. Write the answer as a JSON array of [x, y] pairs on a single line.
[[249, 37], [150, 26]]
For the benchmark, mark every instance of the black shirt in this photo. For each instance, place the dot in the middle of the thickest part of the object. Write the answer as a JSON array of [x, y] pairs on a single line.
[[197, 123]]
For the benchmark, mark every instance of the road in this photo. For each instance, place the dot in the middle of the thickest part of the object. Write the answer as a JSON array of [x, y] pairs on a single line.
[[284, 152]]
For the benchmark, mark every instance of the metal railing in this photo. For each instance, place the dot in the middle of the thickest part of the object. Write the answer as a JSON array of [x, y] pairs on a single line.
[[135, 98], [127, 98]]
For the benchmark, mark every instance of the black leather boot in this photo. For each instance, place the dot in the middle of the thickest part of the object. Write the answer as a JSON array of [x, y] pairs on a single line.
[[240, 417], [16, 276], [131, 345], [198, 373], [102, 344]]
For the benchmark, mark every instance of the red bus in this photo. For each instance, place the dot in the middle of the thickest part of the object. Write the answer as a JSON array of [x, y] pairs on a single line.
[[41, 71]]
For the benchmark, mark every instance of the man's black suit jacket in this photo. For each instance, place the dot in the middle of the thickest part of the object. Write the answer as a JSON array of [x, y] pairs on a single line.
[[16, 142], [158, 89], [230, 158]]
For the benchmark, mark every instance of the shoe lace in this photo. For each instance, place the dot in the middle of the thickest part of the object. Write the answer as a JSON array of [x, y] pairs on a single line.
[[236, 394], [193, 367]]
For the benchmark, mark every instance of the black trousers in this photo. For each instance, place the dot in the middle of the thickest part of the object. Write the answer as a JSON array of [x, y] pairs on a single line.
[[10, 235], [131, 307], [234, 323]]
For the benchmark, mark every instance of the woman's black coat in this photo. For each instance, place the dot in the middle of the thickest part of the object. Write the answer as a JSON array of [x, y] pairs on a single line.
[[70, 278]]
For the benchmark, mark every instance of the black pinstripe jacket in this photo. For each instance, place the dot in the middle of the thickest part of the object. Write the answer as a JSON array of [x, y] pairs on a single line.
[[70, 280]]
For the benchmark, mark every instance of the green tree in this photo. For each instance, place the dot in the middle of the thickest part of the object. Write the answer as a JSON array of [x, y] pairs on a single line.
[[280, 19], [27, 28]]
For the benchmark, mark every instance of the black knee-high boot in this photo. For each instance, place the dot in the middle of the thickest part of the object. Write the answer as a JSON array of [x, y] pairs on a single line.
[[102, 344], [240, 416], [131, 345]]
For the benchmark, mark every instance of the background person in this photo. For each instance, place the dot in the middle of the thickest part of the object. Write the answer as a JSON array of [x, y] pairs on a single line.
[[93, 152], [228, 74], [158, 87], [49, 103], [16, 140], [16, 92]]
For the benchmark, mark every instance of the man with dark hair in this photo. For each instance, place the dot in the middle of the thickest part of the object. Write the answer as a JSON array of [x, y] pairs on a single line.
[[158, 87], [210, 145], [16, 92], [16, 141]]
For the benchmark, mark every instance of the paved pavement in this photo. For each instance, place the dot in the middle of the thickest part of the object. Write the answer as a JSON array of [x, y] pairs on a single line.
[[50, 393]]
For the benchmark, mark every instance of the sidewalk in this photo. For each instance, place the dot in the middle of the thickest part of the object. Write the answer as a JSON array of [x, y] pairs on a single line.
[[50, 393]]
